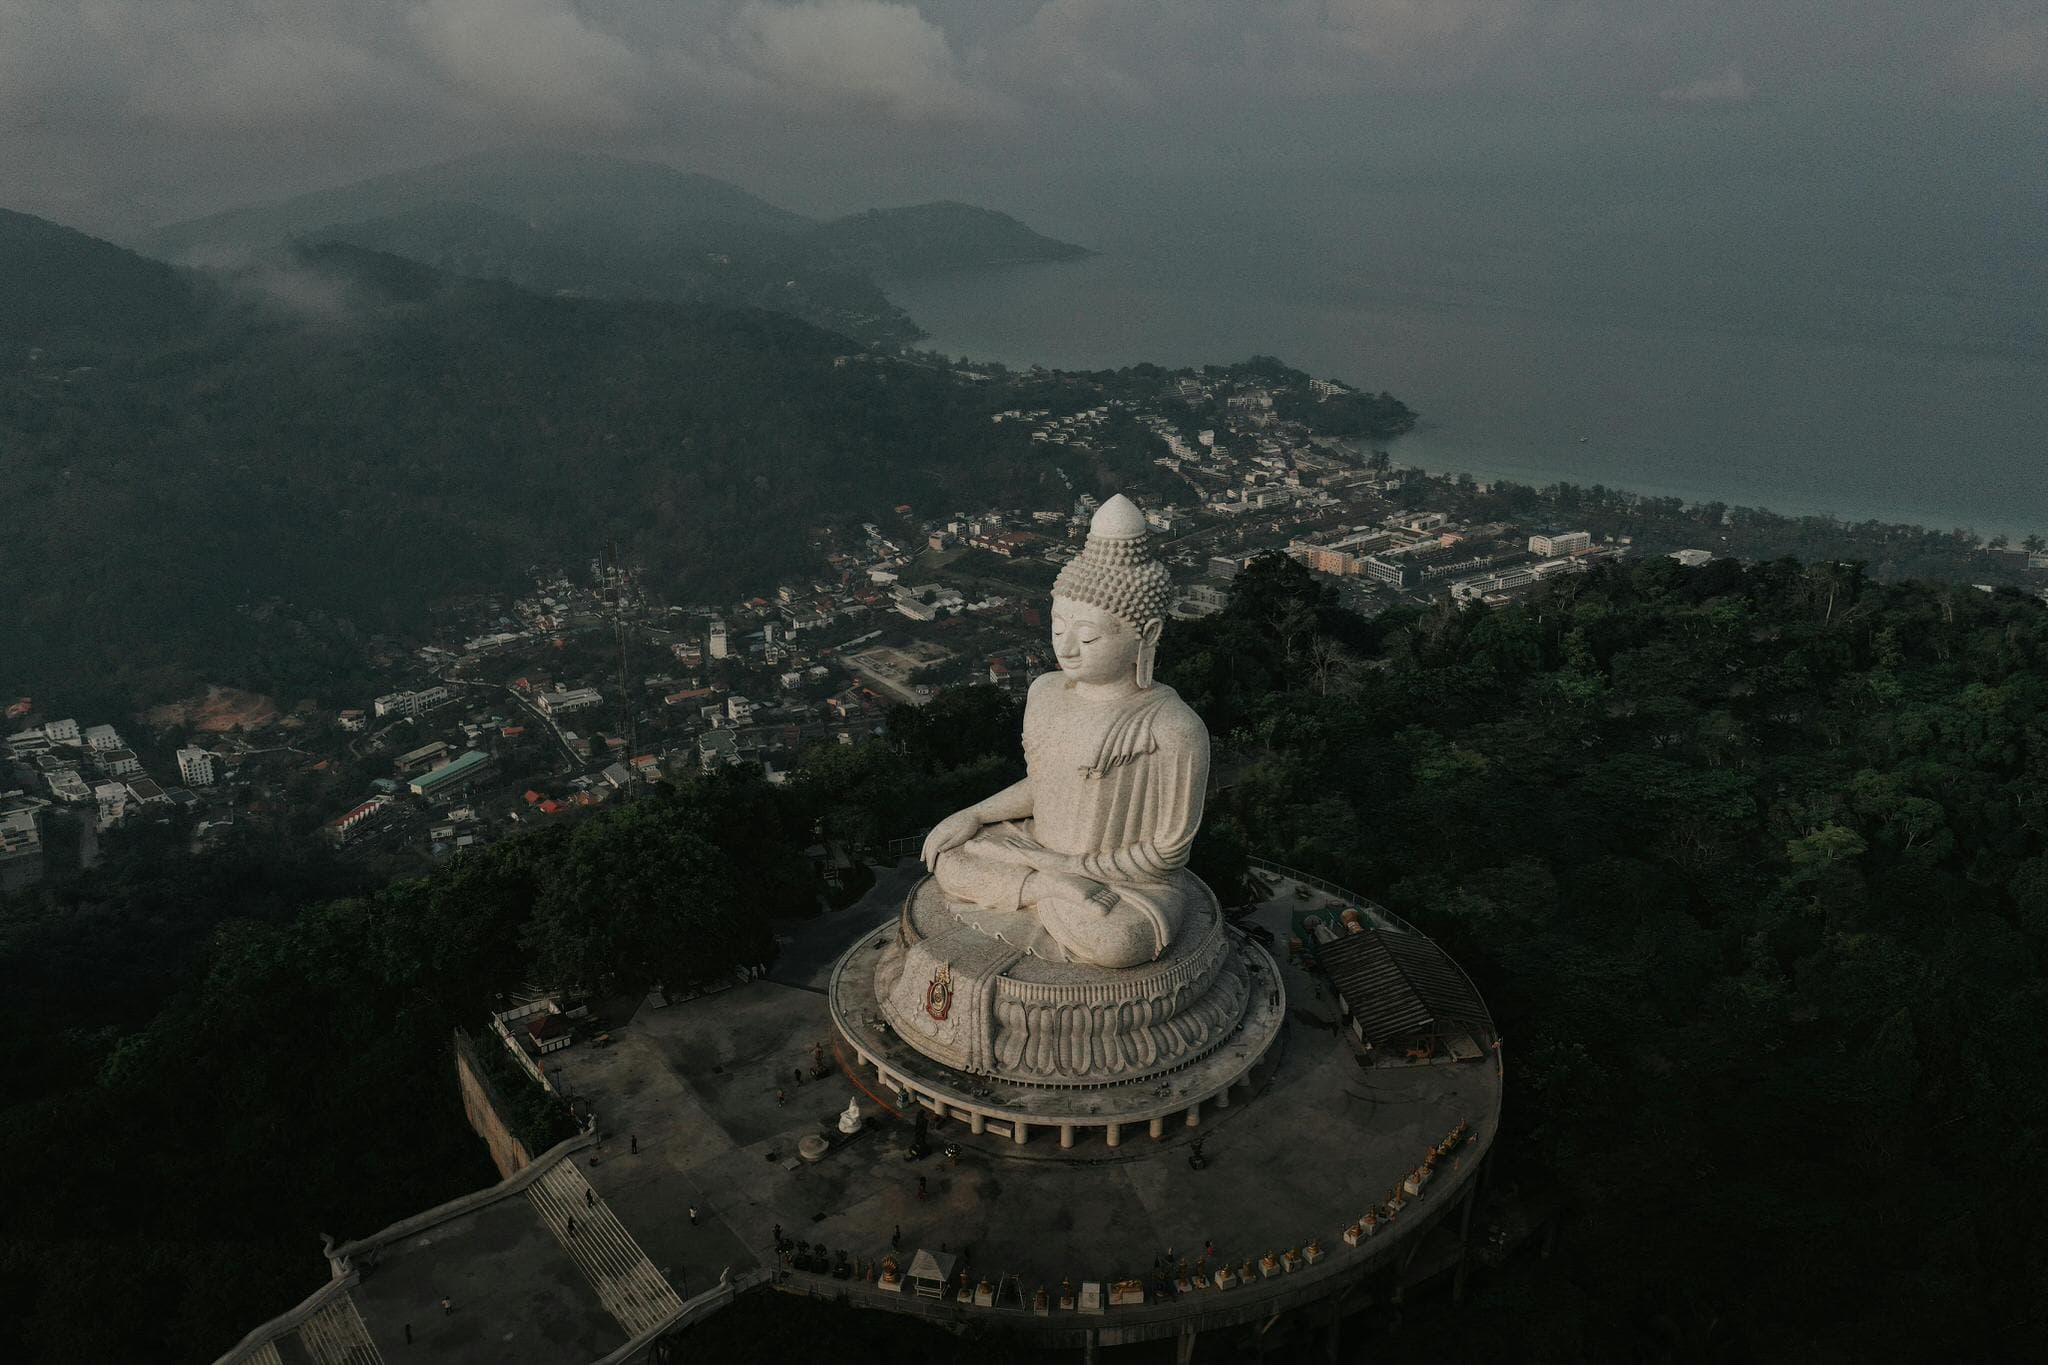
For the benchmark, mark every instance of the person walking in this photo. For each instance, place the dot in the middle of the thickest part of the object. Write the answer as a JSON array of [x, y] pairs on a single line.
[[693, 1215], [589, 1199], [896, 1238], [572, 1227], [779, 1096], [446, 1307], [634, 1138], [408, 1334], [920, 1187]]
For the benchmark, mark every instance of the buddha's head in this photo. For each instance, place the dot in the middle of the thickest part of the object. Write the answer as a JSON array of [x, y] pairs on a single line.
[[1109, 604]]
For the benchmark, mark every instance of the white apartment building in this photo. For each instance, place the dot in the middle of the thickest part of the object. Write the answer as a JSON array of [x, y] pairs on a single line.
[[101, 739], [1560, 542], [561, 703], [409, 703], [196, 768], [112, 798]]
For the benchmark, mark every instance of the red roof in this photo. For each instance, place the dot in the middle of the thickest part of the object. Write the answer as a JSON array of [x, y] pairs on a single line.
[[532, 796], [550, 807], [513, 731]]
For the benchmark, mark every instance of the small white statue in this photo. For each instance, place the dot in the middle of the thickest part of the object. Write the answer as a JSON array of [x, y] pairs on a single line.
[[850, 1121]]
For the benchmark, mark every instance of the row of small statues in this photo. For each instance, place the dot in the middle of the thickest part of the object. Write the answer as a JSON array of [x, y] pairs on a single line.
[[887, 1273], [1412, 1186]]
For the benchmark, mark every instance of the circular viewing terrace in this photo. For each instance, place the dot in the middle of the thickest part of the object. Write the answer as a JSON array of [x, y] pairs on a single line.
[[1338, 1175]]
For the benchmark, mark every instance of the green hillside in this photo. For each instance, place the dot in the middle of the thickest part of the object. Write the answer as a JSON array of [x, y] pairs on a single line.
[[573, 223], [563, 223], [322, 444]]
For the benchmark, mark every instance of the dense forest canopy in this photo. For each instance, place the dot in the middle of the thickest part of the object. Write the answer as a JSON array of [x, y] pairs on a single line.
[[1751, 864]]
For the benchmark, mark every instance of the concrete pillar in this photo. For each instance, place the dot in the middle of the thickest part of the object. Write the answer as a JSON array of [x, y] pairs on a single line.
[[1159, 1128], [977, 1123], [1195, 1114], [1184, 1346], [1066, 1135], [1020, 1131], [1222, 1098], [1113, 1134]]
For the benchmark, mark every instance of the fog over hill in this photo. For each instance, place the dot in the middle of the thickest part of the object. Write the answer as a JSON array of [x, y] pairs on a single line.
[[560, 222]]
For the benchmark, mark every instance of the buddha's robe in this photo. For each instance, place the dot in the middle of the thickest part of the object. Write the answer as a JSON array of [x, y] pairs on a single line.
[[1118, 785]]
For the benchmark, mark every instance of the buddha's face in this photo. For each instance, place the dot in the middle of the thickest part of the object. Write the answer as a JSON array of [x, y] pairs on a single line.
[[1093, 645]]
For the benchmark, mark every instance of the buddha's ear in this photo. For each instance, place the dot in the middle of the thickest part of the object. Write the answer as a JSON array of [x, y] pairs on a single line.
[[1148, 650]]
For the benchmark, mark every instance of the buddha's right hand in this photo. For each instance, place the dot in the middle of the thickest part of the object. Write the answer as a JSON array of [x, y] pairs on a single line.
[[951, 832]]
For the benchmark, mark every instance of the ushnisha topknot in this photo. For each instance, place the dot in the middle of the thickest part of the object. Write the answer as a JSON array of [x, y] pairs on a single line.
[[1113, 571]]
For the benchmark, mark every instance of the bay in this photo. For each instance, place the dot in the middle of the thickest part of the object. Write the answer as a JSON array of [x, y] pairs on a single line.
[[1793, 338]]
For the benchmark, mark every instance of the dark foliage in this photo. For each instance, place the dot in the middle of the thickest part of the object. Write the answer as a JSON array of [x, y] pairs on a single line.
[[232, 1069], [1750, 866]]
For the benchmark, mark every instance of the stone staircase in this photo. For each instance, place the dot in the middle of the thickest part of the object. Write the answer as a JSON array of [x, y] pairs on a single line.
[[336, 1335], [627, 1283]]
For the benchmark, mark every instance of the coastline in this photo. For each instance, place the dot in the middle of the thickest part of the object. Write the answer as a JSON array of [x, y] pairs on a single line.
[[1873, 428], [1693, 494]]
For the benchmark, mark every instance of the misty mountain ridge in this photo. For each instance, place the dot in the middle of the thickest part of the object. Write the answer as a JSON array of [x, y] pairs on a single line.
[[568, 223], [946, 235]]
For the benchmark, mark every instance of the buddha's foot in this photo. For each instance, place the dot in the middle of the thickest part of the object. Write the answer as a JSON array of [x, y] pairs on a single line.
[[1070, 887], [1116, 934]]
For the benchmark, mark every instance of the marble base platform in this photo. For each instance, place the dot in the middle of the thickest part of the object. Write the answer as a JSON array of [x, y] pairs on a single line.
[[970, 1029], [978, 1004]]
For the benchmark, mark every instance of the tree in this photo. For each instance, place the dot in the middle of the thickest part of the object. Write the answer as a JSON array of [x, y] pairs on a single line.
[[640, 898]]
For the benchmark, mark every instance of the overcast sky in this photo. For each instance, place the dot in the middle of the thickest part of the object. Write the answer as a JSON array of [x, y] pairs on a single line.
[[117, 114]]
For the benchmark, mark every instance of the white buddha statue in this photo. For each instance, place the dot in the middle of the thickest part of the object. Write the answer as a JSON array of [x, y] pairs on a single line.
[[1084, 860]]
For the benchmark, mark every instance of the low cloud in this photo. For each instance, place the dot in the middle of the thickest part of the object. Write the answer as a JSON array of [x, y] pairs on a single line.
[[137, 95], [1726, 88], [868, 55], [536, 63]]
